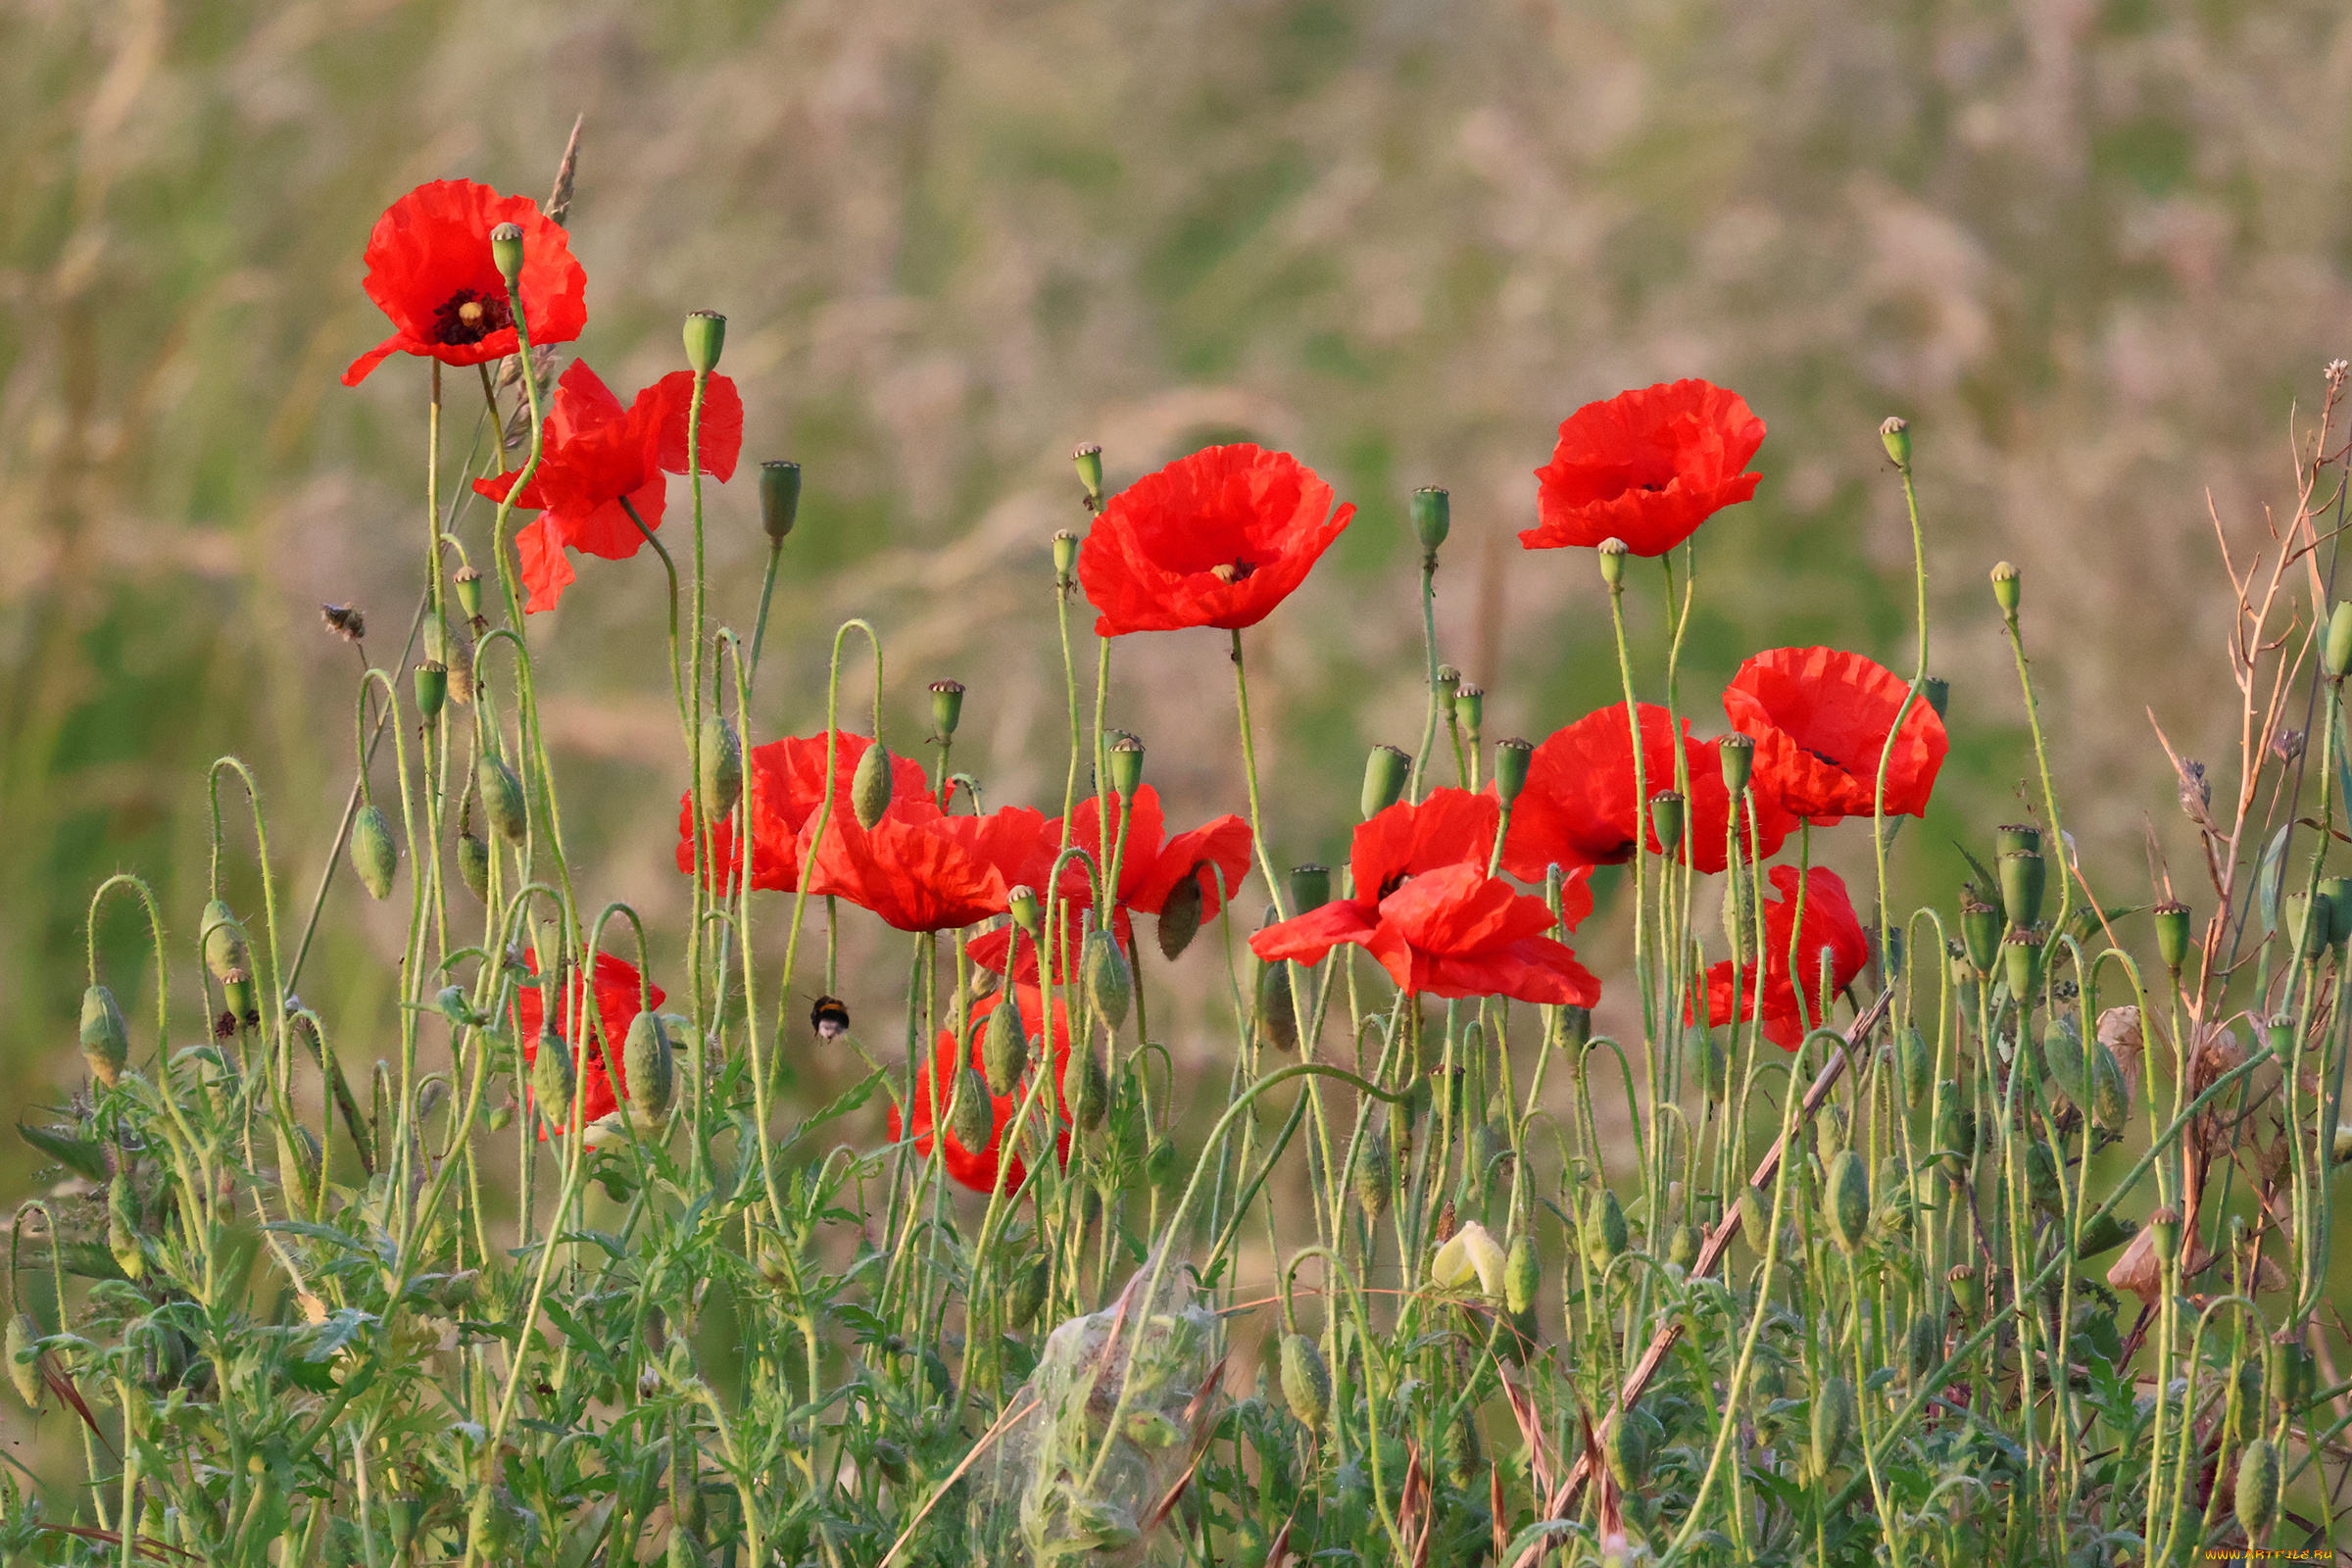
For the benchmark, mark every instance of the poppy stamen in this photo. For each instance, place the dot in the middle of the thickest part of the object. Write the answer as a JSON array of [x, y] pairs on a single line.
[[1230, 572], [469, 316]]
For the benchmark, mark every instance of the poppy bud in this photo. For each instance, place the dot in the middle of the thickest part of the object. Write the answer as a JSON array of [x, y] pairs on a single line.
[[1938, 693], [649, 1067], [947, 707], [2021, 958], [869, 786], [1126, 765], [2105, 1233], [2006, 591], [298, 1165], [1108, 980], [552, 1079], [1955, 1127], [506, 254], [1026, 1296], [22, 1334], [453, 650], [1604, 1231], [1385, 774], [1612, 563], [371, 853], [2306, 920], [1913, 1061], [973, 1118], [468, 584], [1305, 1381], [2171, 934], [473, 865], [1896, 436], [1089, 462], [2110, 1101], [1373, 1175], [1180, 915], [1738, 754], [1432, 512], [105, 1040], [779, 498], [1160, 1165], [1066, 555], [2338, 892], [2062, 1057], [432, 688], [1277, 1007], [1021, 902], [122, 1227], [225, 947], [891, 1460], [2023, 875], [1627, 1451], [1522, 1274], [1470, 708], [1450, 681], [2259, 1486], [1682, 1247], [502, 795], [1666, 820], [1924, 1347], [502, 1116], [1833, 1422], [1849, 1200], [2335, 656], [1085, 1088], [705, 338], [723, 766], [1575, 1027]]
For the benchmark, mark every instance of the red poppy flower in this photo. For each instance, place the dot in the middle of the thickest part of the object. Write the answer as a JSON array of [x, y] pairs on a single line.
[[1426, 910], [430, 270], [1829, 924], [1215, 539], [923, 870], [1820, 718], [1646, 467], [935, 1088], [619, 998], [783, 787], [599, 459], [1580, 806]]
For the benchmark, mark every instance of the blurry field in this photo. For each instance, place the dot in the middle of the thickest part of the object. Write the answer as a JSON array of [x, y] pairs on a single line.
[[2096, 253]]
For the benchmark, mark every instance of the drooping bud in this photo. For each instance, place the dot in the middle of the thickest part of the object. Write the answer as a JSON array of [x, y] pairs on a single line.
[[2337, 891], [779, 498], [973, 1117], [1666, 820], [2021, 960], [452, 649], [1683, 1246], [1027, 1296], [1511, 761], [1089, 462], [1914, 1064], [1385, 774], [1108, 980], [506, 254], [723, 766], [2336, 655], [2110, 1101], [1848, 1201], [1981, 934], [1066, 555], [22, 1373], [104, 1039], [1085, 1088], [2023, 876], [1305, 1381], [2062, 1057], [1626, 1453], [1277, 1007], [372, 856], [431, 681], [1938, 693], [299, 1162], [1522, 1274], [502, 795], [649, 1068], [1180, 915], [1126, 765], [869, 786], [2259, 1489], [947, 707], [1896, 436], [705, 340], [2307, 921], [1159, 1163], [1833, 1413], [1021, 902], [473, 865], [2006, 591], [2171, 934], [1574, 1027], [1432, 512], [225, 951], [553, 1080], [1004, 1045], [1372, 1176], [1470, 708], [1604, 1230], [1738, 754]]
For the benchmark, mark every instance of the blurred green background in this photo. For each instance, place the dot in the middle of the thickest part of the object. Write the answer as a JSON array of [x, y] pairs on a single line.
[[2096, 252]]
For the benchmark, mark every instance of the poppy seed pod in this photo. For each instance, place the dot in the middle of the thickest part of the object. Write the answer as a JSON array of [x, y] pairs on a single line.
[[104, 1039], [1020, 902], [649, 1066], [1003, 1048], [502, 795], [2259, 1487], [1432, 512], [1981, 934], [1738, 754], [723, 766], [1522, 1274], [468, 585], [1612, 563], [2006, 590], [2336, 655], [2012, 838], [779, 498], [1833, 1422], [947, 708], [1666, 820], [1088, 459], [1085, 1090], [473, 865], [1305, 1381], [1385, 774], [1066, 555], [2021, 963], [2165, 1226], [22, 1373], [2171, 934], [371, 853], [1849, 1200], [973, 1117], [506, 254], [2024, 874], [1894, 434], [1108, 980], [1311, 886], [431, 681], [705, 340], [869, 786], [1449, 681], [1470, 708], [1513, 759], [1938, 693], [1126, 765]]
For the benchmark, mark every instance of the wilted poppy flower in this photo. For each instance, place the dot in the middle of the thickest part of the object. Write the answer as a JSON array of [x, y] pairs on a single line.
[[619, 998], [783, 787], [1829, 924], [430, 270], [923, 870], [1820, 719], [1215, 539], [1425, 908], [1646, 466], [599, 459], [1580, 807], [935, 1090]]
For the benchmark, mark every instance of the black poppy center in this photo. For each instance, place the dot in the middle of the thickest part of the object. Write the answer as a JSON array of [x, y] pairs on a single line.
[[1230, 572], [1823, 757], [469, 316]]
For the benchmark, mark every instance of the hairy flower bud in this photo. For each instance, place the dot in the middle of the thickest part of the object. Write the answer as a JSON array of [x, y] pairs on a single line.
[[473, 865], [1385, 774], [779, 498], [721, 777], [705, 340], [1848, 1201], [2335, 656], [1915, 1065], [1003, 1047], [649, 1068], [869, 786], [225, 951], [1026, 1296], [1627, 1451], [1373, 1174], [1305, 1381], [1522, 1274], [1923, 1348], [1180, 915], [502, 795], [1604, 1230], [22, 1371], [1833, 1413], [553, 1080], [2259, 1489], [1085, 1088], [1108, 980], [973, 1117], [104, 1039], [1277, 1007], [372, 856]]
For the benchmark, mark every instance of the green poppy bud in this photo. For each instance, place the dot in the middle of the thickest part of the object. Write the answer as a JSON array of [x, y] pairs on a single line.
[[1180, 915], [2041, 1177], [1108, 980], [2105, 1233], [2110, 1101], [1432, 512], [2336, 655], [973, 1117], [870, 786], [2307, 921], [1938, 693], [122, 1227], [1574, 1027], [371, 853], [1088, 459], [1026, 1296], [1738, 755], [1754, 1208], [432, 688], [1085, 1088], [947, 707], [299, 1161], [1522, 1274], [1126, 765], [723, 766], [1305, 1381], [2171, 934], [1066, 555], [225, 951], [501, 1118], [506, 254], [2006, 591], [1955, 1131], [2023, 875], [1626, 1449], [705, 340], [1833, 1413], [1385, 771], [2021, 958], [1894, 434], [1612, 564], [1160, 1165], [1021, 902], [1277, 1007], [1923, 1350], [891, 1460], [473, 865], [1682, 1247], [1915, 1063], [649, 1068], [2062, 1057], [1848, 1201], [105, 1038], [1470, 708], [502, 794], [553, 1080], [1003, 1047], [779, 498], [1605, 1235], [2259, 1485], [1666, 820], [1311, 886], [1372, 1179], [23, 1372]]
